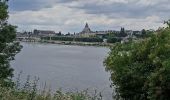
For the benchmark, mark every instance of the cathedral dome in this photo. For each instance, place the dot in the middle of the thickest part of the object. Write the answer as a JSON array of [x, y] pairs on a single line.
[[86, 29]]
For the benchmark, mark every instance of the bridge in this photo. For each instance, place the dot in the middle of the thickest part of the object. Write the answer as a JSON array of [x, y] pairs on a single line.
[[28, 39]]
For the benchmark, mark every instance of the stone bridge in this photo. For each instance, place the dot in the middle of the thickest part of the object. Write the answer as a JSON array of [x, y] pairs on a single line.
[[28, 39]]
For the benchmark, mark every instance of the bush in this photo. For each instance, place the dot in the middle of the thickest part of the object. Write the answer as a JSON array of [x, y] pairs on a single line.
[[8, 48], [141, 70], [113, 40], [30, 92]]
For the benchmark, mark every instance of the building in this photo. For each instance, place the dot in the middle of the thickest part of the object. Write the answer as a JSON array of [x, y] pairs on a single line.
[[129, 32], [43, 33], [87, 32], [86, 29], [137, 32]]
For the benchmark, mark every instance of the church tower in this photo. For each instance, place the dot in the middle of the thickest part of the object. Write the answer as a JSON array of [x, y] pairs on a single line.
[[86, 29]]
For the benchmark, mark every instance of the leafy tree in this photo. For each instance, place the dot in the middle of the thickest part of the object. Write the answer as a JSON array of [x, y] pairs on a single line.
[[8, 48], [141, 70], [167, 22], [113, 40], [143, 32]]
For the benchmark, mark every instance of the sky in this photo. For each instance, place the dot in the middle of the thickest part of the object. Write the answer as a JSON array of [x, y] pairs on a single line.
[[71, 15]]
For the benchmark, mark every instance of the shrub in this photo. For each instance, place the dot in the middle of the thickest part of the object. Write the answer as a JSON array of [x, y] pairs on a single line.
[[140, 70]]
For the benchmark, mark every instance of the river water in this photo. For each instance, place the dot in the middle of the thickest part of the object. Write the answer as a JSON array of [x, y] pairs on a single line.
[[63, 66]]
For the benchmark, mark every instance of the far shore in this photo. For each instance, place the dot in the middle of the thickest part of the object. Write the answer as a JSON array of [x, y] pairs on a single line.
[[74, 43]]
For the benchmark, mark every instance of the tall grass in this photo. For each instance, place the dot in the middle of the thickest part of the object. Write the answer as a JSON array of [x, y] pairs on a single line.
[[29, 91]]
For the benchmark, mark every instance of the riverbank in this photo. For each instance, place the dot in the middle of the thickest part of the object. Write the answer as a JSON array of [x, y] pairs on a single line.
[[77, 43], [74, 43]]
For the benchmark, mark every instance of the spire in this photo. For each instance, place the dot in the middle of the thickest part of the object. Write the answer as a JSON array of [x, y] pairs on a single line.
[[86, 29], [87, 26]]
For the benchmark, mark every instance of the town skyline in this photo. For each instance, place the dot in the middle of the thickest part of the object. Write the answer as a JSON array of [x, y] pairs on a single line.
[[82, 31]]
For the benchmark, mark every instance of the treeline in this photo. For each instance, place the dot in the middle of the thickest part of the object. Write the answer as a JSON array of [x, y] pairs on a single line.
[[113, 39], [77, 39], [83, 39]]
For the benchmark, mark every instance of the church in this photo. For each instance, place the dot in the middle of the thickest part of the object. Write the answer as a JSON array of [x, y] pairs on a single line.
[[86, 32], [86, 29]]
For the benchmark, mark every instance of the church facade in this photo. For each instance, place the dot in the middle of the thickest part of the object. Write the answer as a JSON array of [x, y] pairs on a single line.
[[86, 32]]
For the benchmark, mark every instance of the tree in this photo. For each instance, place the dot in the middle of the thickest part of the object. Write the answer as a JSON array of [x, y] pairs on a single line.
[[143, 32], [167, 22], [113, 40], [141, 70], [8, 48]]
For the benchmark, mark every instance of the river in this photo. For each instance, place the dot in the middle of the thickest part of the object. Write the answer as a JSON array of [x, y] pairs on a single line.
[[63, 66]]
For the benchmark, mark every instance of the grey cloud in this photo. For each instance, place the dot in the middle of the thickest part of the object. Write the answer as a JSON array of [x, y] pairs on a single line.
[[132, 9], [22, 5], [129, 10], [65, 1]]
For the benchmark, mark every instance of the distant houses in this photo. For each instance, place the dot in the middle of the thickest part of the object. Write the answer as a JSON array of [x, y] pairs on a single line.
[[44, 33], [38, 33]]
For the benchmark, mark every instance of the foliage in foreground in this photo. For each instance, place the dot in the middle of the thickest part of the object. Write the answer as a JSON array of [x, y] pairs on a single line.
[[29, 91], [141, 70], [8, 48]]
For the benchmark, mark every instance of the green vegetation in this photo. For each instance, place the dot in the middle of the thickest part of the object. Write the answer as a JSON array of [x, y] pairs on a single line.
[[141, 70], [113, 40], [8, 48], [145, 34], [168, 23], [77, 39], [31, 93]]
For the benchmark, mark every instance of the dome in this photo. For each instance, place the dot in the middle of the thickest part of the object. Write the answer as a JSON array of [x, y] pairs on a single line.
[[86, 29]]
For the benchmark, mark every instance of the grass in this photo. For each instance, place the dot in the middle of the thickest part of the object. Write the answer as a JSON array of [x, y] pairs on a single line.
[[29, 91], [13, 94]]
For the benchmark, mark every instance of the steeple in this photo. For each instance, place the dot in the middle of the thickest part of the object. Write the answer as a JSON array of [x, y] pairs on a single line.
[[87, 26], [86, 29]]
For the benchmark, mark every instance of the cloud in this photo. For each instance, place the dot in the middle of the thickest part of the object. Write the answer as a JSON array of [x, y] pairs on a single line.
[[125, 8], [70, 15], [23, 5]]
